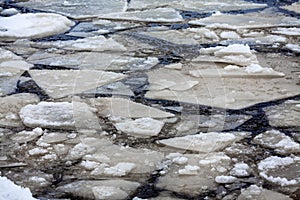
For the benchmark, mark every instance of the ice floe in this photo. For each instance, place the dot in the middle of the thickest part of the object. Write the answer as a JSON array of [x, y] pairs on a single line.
[[191, 5], [217, 86], [284, 115], [278, 141], [196, 175], [11, 191], [153, 15], [280, 171], [96, 43], [62, 115], [101, 189], [75, 8], [57, 84], [11, 68], [114, 160], [202, 142], [255, 192], [141, 127], [10, 107], [33, 25], [295, 7], [118, 107], [245, 21], [27, 136]]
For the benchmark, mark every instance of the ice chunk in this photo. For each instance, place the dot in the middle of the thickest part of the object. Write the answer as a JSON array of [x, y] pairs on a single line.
[[33, 25], [10, 191], [225, 179], [240, 170], [142, 127]]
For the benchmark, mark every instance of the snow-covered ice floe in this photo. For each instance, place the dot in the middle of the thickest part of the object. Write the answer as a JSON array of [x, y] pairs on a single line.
[[33, 25], [10, 191]]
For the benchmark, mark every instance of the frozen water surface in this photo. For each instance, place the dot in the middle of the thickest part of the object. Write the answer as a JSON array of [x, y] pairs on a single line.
[[148, 99]]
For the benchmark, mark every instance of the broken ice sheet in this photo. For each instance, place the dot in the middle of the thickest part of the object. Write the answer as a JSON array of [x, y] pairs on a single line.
[[57, 84], [33, 25], [245, 21], [10, 107], [153, 15], [77, 9]]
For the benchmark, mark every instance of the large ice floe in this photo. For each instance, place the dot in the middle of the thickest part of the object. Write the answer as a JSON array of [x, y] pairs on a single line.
[[202, 142], [230, 21], [199, 6], [32, 25], [77, 9], [57, 84], [222, 76], [154, 15]]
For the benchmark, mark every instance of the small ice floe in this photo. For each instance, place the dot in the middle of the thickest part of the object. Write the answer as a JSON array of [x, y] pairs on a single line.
[[293, 47], [280, 171], [278, 141], [141, 127], [60, 115], [255, 192]]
